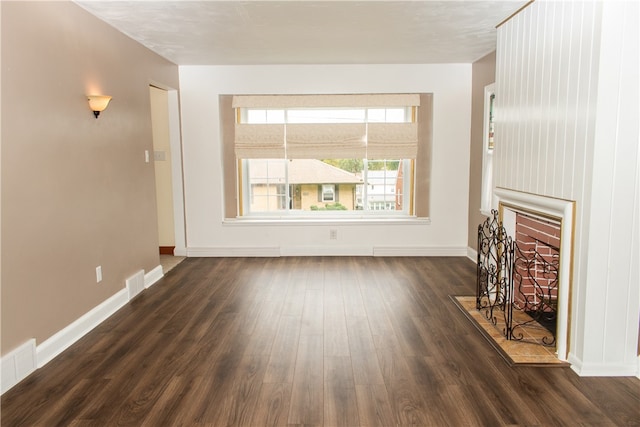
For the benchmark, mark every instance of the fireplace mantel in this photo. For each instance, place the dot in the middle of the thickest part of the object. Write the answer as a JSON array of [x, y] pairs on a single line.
[[564, 212]]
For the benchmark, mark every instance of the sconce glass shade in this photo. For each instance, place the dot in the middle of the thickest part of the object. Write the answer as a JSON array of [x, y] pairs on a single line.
[[98, 103]]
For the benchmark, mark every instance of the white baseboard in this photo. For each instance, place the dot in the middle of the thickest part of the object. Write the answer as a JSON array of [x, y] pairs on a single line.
[[17, 365], [153, 276], [21, 362], [472, 254], [425, 251], [60, 341], [326, 251], [604, 369], [234, 252], [329, 250]]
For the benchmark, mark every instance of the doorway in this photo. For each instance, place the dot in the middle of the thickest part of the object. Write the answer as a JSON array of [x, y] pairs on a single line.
[[168, 174]]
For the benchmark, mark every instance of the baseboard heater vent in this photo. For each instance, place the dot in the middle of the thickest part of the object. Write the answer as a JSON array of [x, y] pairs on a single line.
[[135, 284]]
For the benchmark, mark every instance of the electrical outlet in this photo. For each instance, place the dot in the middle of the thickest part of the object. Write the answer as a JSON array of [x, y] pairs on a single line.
[[99, 274], [333, 234]]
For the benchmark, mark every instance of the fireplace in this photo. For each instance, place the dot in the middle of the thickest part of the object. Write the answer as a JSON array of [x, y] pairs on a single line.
[[536, 269], [542, 229]]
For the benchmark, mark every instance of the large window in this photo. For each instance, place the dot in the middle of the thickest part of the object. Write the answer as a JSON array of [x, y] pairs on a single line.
[[344, 155]]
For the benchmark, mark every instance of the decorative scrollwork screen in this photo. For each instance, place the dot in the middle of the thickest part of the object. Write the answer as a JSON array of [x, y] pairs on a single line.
[[517, 285]]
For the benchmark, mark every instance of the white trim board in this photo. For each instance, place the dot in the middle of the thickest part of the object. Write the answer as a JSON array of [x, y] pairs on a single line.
[[152, 277], [64, 338], [234, 252], [472, 254], [603, 369], [22, 361], [328, 250], [425, 251]]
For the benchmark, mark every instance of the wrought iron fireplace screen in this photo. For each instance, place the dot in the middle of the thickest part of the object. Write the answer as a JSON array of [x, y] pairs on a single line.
[[517, 285]]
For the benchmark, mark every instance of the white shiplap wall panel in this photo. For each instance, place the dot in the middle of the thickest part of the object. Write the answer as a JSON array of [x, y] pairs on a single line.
[[535, 94], [616, 184], [565, 129], [544, 47], [628, 165]]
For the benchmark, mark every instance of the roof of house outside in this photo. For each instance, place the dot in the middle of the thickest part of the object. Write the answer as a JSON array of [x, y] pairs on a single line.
[[302, 171]]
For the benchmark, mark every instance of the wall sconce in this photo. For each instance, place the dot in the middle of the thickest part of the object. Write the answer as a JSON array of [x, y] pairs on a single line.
[[98, 103]]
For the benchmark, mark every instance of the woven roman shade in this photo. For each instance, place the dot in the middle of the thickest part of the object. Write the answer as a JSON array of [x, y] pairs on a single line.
[[392, 140], [259, 141], [376, 100], [326, 141]]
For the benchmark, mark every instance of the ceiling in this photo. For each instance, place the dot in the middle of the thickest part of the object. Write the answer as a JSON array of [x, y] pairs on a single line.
[[209, 32]]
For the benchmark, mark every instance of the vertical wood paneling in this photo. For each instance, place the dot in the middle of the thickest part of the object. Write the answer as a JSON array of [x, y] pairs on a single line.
[[567, 127], [621, 133], [544, 65], [534, 96], [512, 139], [570, 42], [527, 85], [500, 46], [628, 170], [539, 185]]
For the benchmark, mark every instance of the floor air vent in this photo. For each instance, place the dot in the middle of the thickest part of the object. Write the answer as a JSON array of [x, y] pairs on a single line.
[[135, 284]]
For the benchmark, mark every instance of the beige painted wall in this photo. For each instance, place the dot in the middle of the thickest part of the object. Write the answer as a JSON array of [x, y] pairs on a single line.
[[162, 147], [76, 191], [484, 72]]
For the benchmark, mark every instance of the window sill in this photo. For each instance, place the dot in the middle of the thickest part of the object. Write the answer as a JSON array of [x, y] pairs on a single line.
[[284, 221]]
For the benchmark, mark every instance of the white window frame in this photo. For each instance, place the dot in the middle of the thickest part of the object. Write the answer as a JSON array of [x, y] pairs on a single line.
[[381, 115], [487, 155]]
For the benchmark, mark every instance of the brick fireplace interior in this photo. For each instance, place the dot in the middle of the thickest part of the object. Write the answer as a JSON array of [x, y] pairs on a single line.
[[536, 267]]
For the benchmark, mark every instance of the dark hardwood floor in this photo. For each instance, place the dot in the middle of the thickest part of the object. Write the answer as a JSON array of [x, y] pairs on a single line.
[[314, 341]]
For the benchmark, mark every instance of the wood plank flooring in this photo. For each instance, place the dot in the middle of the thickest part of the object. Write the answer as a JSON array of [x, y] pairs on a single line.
[[311, 341]]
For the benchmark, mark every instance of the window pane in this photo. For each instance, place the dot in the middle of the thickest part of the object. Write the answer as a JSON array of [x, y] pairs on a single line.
[[376, 115], [492, 99], [267, 185], [255, 116], [326, 115], [385, 185], [275, 116], [387, 115], [396, 115], [325, 185]]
